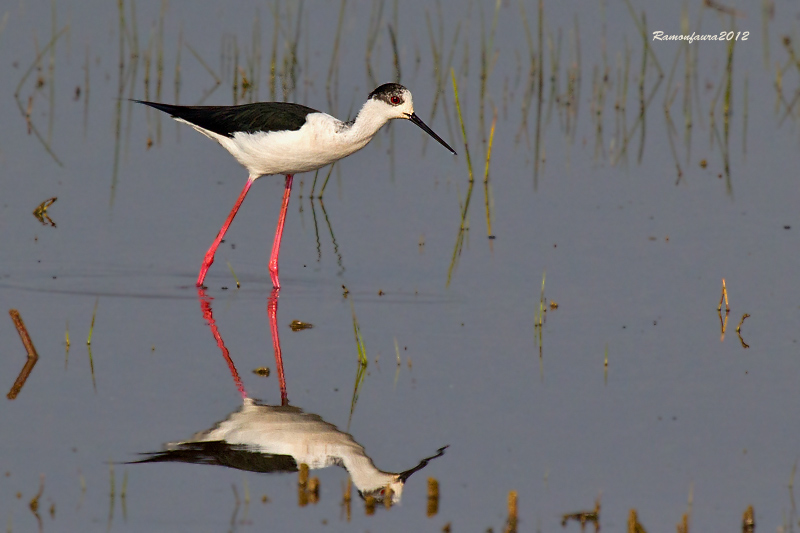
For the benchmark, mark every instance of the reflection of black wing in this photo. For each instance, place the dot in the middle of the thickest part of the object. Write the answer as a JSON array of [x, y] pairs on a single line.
[[223, 454]]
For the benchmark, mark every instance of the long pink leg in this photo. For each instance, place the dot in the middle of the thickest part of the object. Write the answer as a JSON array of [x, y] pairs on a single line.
[[209, 259], [276, 245], [272, 314]]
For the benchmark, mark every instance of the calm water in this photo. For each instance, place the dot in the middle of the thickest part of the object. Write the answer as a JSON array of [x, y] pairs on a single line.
[[634, 246]]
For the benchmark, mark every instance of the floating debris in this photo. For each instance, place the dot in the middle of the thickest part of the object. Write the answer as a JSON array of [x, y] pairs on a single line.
[[34, 503], [298, 325], [585, 516], [262, 371], [41, 212]]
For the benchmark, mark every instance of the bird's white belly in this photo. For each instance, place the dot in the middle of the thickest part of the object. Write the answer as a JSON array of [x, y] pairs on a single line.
[[316, 144]]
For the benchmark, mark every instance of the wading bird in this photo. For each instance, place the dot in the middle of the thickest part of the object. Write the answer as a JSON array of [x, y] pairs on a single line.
[[285, 138]]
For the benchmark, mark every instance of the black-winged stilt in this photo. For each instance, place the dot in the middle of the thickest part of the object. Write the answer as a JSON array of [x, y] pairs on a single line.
[[285, 138], [259, 437], [279, 438]]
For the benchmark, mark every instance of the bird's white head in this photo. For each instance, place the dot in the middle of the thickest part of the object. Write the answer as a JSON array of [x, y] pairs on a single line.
[[392, 100]]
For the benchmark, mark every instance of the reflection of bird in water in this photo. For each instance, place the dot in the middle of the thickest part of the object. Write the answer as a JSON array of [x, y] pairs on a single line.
[[267, 438]]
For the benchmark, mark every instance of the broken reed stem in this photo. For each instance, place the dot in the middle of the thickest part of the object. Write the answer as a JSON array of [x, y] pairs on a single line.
[[511, 526], [91, 327], [335, 54], [723, 297], [33, 357], [362, 363], [313, 186], [463, 128], [726, 103], [433, 497], [723, 324], [642, 79], [202, 63], [539, 318], [744, 125], [325, 183], [539, 97], [362, 351], [38, 58], [397, 71], [273, 72], [27, 114], [486, 177], [234, 275], [23, 334], [739, 327], [66, 350]]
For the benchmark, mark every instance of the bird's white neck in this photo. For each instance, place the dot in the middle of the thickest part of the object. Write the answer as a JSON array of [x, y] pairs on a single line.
[[368, 479], [367, 123]]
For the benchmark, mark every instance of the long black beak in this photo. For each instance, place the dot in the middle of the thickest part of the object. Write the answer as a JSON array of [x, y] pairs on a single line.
[[418, 121], [403, 476]]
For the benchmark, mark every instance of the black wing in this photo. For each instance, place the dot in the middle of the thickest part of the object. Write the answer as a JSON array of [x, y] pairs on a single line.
[[248, 118]]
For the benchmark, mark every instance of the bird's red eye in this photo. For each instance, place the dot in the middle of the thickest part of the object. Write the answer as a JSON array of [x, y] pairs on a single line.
[[396, 100]]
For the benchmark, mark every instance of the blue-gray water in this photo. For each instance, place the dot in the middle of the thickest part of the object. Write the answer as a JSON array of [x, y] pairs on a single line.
[[634, 261]]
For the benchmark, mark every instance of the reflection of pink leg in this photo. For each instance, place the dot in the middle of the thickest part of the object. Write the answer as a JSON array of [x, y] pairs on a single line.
[[205, 306], [272, 313], [209, 258], [276, 245]]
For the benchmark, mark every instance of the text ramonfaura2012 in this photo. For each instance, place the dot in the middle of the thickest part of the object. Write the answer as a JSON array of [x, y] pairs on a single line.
[[721, 36]]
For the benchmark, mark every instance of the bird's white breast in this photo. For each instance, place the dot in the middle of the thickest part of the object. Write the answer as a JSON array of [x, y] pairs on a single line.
[[320, 142]]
